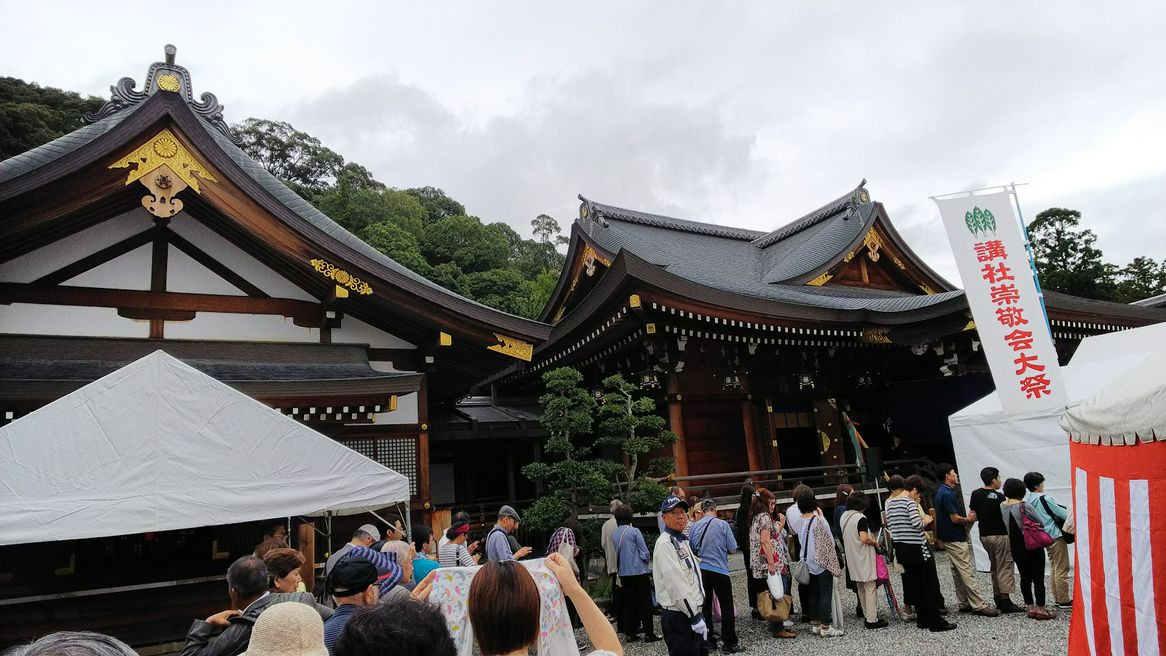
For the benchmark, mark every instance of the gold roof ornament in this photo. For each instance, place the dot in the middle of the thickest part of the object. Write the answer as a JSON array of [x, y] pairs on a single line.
[[821, 280], [515, 348], [329, 270], [165, 167]]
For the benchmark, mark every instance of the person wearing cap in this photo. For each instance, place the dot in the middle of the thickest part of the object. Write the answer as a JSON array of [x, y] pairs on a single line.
[[365, 536], [287, 630], [353, 585], [713, 540], [497, 543], [228, 633], [679, 588]]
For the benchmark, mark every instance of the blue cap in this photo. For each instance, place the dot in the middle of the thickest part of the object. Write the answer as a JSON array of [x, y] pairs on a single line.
[[671, 502]]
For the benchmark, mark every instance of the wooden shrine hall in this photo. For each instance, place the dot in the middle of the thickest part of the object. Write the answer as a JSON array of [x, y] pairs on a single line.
[[757, 344], [149, 228]]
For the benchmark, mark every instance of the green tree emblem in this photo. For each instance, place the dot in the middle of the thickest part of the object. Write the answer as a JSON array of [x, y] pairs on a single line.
[[979, 220]]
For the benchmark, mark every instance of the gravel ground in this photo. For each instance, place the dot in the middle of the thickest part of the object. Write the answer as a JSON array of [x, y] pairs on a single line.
[[1013, 633]]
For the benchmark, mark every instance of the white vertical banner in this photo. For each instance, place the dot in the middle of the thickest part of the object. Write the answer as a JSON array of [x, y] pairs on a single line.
[[989, 250]]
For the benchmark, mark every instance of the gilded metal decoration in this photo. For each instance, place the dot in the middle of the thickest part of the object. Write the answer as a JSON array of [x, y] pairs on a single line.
[[873, 243], [515, 348], [926, 290], [329, 270], [165, 168], [970, 326], [171, 78], [169, 82], [876, 335], [590, 257], [898, 262], [821, 280], [634, 301]]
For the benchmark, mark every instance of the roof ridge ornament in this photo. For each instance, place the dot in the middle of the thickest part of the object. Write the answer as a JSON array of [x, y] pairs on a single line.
[[168, 77]]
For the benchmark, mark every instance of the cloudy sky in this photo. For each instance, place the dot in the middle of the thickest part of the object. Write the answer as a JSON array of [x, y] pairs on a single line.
[[746, 114]]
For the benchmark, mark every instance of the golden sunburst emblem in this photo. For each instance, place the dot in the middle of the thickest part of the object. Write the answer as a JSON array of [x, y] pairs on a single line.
[[169, 83], [165, 147]]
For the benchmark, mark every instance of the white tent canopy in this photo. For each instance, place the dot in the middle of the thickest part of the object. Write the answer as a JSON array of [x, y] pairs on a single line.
[[982, 435], [158, 445], [1129, 410]]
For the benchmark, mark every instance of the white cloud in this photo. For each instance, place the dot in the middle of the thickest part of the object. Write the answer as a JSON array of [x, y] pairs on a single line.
[[744, 114]]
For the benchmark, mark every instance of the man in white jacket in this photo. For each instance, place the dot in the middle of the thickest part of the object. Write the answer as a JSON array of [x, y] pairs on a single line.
[[679, 591]]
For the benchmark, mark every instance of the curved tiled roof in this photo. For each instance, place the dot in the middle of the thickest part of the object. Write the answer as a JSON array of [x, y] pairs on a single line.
[[31, 160], [739, 267], [39, 157]]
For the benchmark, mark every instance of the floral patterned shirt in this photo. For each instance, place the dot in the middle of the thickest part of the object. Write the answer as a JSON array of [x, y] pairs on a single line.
[[758, 565]]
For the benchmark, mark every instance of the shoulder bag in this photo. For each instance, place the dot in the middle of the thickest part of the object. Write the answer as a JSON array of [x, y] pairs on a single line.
[[800, 570], [618, 578], [1035, 537]]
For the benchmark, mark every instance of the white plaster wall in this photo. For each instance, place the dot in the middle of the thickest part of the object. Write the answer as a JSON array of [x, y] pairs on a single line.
[[353, 331], [25, 319], [235, 259], [406, 412], [185, 274], [130, 271], [30, 266], [244, 327]]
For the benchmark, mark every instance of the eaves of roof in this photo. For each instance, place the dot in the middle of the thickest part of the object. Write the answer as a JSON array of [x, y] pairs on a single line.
[[88, 145]]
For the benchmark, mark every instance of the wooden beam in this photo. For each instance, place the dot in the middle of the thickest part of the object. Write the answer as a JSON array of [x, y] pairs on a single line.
[[219, 269], [750, 436], [423, 445], [95, 260], [307, 546], [304, 312], [158, 266], [772, 432], [676, 425]]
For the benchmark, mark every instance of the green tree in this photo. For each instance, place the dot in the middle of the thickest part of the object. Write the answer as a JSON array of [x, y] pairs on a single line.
[[547, 230], [437, 205], [448, 275], [355, 207], [498, 288], [629, 421], [31, 115], [1066, 258], [295, 157], [1141, 278], [572, 475], [464, 241], [394, 241], [357, 177], [534, 294]]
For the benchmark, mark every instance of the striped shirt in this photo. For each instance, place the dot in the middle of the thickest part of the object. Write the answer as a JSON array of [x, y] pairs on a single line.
[[904, 520], [452, 554]]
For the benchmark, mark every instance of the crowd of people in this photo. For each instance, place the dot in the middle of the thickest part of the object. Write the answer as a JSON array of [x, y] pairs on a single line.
[[374, 592]]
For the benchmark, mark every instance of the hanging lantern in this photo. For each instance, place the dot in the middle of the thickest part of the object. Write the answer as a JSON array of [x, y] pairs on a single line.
[[650, 381], [806, 382]]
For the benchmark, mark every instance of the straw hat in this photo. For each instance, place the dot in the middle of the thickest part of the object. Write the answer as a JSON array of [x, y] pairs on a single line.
[[288, 629]]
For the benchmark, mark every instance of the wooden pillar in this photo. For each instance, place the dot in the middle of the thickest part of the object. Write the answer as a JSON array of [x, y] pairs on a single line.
[[158, 265], [306, 543], [423, 447], [747, 419], [676, 425], [771, 428], [750, 435]]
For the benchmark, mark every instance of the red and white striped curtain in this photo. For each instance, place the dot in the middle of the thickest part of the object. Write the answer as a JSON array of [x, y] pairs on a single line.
[[1119, 500]]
